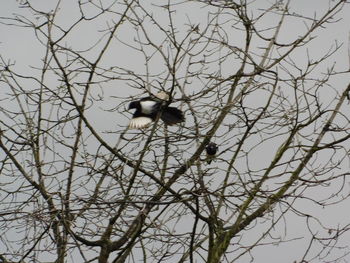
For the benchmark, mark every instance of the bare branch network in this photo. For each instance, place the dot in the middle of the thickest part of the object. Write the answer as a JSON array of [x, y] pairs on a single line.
[[263, 91]]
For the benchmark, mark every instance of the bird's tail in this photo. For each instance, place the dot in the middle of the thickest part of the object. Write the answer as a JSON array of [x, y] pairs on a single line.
[[171, 115]]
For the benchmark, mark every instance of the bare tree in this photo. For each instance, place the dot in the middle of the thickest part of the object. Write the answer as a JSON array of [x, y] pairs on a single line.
[[78, 186]]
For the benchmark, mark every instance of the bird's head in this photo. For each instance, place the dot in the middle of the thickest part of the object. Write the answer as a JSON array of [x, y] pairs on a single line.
[[212, 148], [134, 105]]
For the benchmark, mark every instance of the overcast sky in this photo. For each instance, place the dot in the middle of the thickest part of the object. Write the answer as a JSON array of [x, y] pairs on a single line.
[[18, 45]]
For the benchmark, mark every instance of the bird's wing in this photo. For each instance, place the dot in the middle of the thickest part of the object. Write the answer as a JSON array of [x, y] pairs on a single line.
[[162, 95], [171, 115], [139, 122]]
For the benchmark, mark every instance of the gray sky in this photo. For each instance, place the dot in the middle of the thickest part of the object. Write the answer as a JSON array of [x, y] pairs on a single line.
[[17, 44]]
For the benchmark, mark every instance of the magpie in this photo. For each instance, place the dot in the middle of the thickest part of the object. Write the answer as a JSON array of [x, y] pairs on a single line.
[[147, 110], [211, 150]]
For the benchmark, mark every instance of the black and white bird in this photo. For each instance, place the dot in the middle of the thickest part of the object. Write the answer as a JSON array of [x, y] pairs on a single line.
[[147, 110], [211, 150]]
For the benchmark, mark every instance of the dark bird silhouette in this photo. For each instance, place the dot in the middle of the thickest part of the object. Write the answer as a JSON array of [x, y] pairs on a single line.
[[211, 150], [147, 110]]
